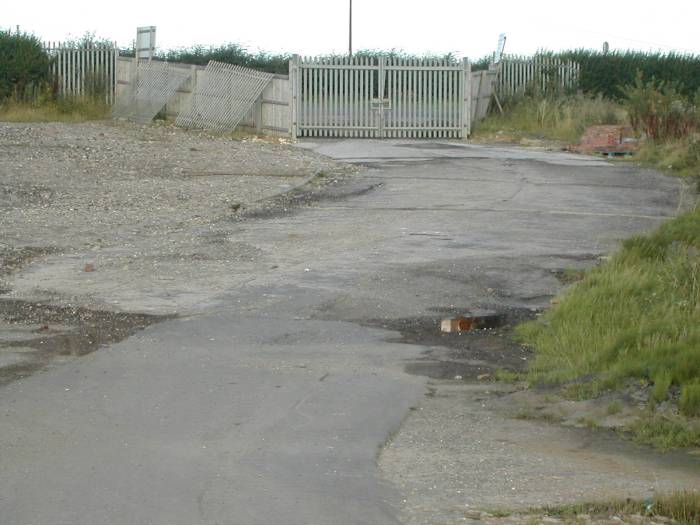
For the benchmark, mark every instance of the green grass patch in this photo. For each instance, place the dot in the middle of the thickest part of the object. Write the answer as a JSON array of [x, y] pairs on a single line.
[[680, 158], [682, 506], [635, 316], [666, 432], [507, 376], [63, 109], [563, 118]]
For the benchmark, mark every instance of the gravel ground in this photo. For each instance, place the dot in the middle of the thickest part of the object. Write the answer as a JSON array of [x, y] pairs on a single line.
[[461, 453], [144, 209]]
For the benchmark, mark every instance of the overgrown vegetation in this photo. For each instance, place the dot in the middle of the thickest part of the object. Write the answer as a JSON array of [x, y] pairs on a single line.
[[54, 109], [681, 506], [659, 110], [28, 92], [24, 67], [555, 117], [636, 316], [607, 73]]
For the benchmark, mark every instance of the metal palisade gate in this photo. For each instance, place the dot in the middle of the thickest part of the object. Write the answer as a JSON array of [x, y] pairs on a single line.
[[380, 97], [540, 73], [84, 71]]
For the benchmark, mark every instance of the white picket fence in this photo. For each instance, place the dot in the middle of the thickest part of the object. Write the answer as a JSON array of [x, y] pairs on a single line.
[[84, 70], [541, 73]]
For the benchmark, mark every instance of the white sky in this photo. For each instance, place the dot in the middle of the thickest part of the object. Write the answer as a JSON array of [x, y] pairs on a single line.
[[466, 27]]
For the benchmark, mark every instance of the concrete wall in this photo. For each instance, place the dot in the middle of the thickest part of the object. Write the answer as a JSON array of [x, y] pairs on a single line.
[[271, 114]]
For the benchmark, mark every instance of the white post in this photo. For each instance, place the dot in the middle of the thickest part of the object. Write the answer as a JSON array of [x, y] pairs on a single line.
[[294, 95], [467, 109]]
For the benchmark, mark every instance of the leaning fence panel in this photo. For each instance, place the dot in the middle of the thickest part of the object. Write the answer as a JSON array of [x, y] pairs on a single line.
[[156, 83], [223, 96]]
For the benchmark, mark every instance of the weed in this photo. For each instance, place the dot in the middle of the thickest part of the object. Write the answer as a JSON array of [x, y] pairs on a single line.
[[571, 275], [588, 422], [690, 399], [613, 408], [662, 382], [683, 506], [666, 432], [507, 376]]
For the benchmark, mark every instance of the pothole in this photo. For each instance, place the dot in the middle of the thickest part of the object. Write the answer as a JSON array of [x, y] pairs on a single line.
[[469, 355]]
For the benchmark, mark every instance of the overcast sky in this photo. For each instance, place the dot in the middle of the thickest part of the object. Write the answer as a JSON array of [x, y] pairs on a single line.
[[465, 27]]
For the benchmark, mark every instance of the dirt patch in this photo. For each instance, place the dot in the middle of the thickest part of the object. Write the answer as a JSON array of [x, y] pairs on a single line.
[[34, 336], [320, 188]]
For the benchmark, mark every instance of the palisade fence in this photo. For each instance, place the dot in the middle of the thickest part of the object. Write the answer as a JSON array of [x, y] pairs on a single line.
[[517, 75], [88, 70]]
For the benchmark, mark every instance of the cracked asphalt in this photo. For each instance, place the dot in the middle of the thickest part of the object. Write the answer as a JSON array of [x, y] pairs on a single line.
[[271, 401]]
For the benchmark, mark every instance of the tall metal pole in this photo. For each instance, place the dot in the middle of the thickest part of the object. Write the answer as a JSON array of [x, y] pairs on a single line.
[[350, 33]]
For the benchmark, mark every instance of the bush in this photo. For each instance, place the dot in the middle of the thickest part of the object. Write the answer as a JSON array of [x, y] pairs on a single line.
[[606, 73], [24, 66], [659, 110]]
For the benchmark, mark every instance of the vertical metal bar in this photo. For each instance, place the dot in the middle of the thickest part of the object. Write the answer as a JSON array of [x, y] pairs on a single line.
[[423, 93], [413, 114], [329, 97], [336, 94], [381, 79], [367, 96], [442, 84], [346, 102], [467, 111], [314, 97], [360, 91], [400, 94], [355, 98], [371, 117], [429, 98]]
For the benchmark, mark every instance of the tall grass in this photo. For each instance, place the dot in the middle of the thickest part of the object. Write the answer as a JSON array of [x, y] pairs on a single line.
[[552, 117], [636, 316]]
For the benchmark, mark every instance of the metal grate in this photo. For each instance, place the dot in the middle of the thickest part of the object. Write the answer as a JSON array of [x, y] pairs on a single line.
[[156, 83], [223, 96]]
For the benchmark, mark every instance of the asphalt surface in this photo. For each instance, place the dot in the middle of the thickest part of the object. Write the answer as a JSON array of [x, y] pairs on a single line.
[[272, 403]]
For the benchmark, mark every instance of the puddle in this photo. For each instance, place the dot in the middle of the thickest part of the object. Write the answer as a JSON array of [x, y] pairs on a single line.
[[57, 333], [462, 355]]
